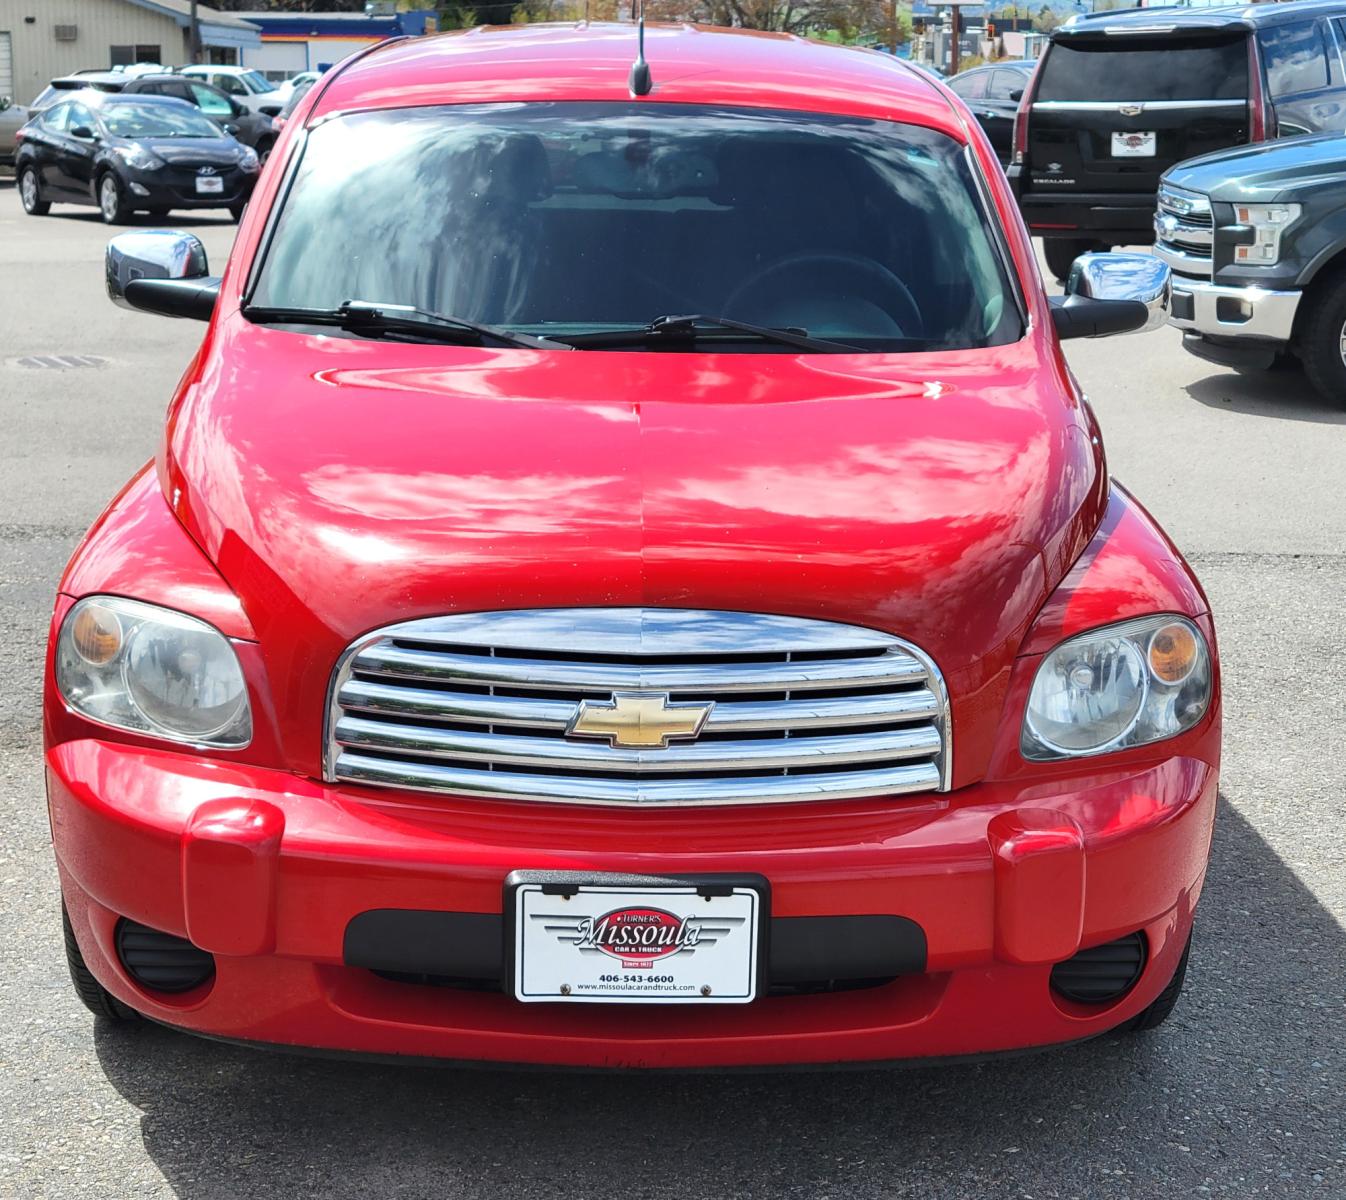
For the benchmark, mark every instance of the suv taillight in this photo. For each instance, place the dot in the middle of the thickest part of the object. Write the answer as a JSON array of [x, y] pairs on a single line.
[[1020, 144], [1261, 114]]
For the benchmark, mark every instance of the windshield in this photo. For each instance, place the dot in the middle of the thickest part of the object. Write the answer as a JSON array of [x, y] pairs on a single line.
[[1145, 69], [255, 81], [566, 218], [158, 120]]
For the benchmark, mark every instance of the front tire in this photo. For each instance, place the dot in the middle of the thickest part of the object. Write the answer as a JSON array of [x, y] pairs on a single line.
[[1321, 344], [237, 210], [112, 200], [1163, 1005], [1060, 253], [92, 994], [30, 194]]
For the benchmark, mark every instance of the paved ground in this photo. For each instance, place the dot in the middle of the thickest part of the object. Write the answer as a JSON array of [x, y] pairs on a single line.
[[1239, 1095]]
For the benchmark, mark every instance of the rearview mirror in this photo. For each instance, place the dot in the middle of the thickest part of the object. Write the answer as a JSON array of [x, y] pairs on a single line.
[[1113, 293], [161, 271]]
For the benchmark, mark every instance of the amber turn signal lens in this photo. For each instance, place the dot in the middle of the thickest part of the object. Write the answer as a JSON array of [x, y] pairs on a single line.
[[1173, 653], [97, 634]]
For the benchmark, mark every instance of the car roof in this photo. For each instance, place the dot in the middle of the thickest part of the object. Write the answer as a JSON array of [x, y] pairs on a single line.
[[219, 69], [1176, 20], [90, 79], [689, 64]]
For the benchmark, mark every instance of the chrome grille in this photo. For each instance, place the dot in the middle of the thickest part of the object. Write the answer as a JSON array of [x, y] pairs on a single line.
[[1184, 231], [480, 705]]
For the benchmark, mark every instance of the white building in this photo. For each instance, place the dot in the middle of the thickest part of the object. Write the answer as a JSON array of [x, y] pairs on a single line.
[[41, 39]]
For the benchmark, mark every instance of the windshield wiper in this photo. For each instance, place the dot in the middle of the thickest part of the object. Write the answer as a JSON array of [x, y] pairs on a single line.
[[373, 317], [690, 328]]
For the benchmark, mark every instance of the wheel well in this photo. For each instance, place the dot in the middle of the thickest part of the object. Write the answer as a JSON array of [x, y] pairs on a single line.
[[1328, 275]]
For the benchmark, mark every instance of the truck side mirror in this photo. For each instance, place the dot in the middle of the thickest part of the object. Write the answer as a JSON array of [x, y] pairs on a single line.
[[161, 271], [1113, 293]]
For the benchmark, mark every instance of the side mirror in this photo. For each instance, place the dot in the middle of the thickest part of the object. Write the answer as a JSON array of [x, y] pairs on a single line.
[[161, 271], [1016, 95], [83, 132], [1113, 293], [270, 110], [5, 102], [230, 127]]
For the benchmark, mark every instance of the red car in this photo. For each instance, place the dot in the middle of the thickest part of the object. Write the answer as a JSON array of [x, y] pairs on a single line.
[[629, 579]]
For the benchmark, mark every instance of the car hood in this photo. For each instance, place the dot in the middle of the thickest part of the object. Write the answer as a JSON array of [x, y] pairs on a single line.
[[1265, 171], [340, 485], [220, 151]]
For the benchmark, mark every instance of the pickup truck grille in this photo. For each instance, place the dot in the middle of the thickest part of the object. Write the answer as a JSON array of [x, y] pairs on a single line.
[[1184, 231], [486, 705]]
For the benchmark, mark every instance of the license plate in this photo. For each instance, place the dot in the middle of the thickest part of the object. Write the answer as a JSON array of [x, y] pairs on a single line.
[[615, 943], [209, 185], [1133, 145]]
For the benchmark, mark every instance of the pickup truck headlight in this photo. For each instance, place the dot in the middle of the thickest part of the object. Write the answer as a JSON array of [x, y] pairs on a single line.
[[1268, 222], [153, 671], [1117, 687]]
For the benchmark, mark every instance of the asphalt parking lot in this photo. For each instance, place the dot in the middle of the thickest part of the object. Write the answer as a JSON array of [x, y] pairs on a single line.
[[1239, 1095]]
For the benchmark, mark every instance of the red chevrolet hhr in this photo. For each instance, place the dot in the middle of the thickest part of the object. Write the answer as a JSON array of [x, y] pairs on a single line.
[[630, 580]]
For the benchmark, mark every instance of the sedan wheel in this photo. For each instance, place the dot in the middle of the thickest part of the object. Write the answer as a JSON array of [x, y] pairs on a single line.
[[33, 204], [110, 202]]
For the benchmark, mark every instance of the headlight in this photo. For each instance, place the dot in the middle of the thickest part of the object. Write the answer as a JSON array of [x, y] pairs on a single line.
[[1268, 222], [153, 671], [1116, 687], [247, 159], [139, 159]]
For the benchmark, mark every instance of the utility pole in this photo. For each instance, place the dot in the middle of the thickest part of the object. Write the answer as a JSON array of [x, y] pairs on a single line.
[[892, 24], [953, 50], [194, 34]]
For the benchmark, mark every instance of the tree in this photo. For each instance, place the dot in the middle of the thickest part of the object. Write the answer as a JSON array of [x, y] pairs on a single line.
[[1046, 20]]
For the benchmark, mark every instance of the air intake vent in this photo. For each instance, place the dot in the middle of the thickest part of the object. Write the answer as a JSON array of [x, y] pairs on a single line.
[[1102, 973], [67, 33], [160, 961]]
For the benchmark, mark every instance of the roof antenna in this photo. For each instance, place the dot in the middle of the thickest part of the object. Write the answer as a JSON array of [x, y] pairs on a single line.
[[640, 81]]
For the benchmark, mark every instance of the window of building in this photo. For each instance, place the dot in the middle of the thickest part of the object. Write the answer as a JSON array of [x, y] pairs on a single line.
[[144, 52]]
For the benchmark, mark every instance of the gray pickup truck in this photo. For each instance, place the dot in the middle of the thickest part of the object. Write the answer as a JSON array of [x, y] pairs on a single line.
[[1256, 239], [12, 116]]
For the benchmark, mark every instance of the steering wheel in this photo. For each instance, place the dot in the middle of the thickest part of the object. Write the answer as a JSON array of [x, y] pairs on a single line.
[[882, 286]]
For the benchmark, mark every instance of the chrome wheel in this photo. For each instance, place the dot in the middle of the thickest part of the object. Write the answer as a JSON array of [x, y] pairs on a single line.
[[28, 191], [1341, 344], [108, 199]]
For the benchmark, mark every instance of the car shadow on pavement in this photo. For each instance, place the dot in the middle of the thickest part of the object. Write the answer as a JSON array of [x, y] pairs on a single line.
[[140, 220], [1282, 393], [1238, 1094]]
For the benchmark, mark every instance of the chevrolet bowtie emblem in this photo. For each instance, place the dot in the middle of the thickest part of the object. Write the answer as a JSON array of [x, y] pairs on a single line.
[[638, 720]]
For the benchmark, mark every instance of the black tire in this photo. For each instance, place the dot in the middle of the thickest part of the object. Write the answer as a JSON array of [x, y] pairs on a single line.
[[237, 210], [1158, 1012], [30, 194], [93, 995], [111, 198], [1321, 342], [264, 148], [1061, 252]]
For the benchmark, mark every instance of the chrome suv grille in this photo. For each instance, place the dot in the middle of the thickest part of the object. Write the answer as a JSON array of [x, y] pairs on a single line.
[[569, 705], [1184, 231]]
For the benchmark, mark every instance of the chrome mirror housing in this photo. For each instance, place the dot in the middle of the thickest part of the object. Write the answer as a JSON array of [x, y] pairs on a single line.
[[152, 254], [1139, 278]]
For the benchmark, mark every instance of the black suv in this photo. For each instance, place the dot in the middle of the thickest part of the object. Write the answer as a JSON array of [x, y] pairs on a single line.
[[1122, 96]]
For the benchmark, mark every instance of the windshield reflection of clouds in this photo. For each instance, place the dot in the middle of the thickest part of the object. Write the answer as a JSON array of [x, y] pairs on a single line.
[[608, 214]]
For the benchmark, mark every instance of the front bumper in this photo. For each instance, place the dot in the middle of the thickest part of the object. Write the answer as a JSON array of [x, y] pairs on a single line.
[[176, 188], [267, 870], [1216, 310]]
